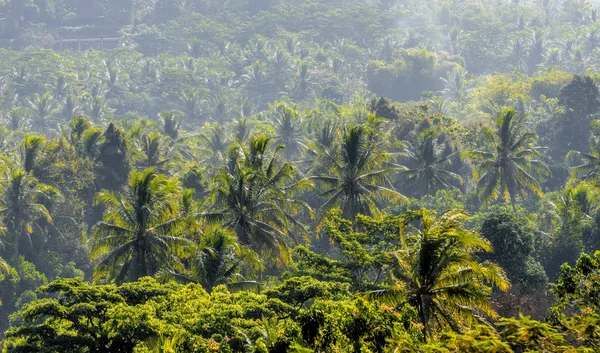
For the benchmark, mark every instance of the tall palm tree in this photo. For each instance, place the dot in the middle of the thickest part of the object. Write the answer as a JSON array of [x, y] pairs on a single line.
[[279, 69], [155, 151], [192, 104], [303, 83], [171, 124], [358, 172], [589, 167], [215, 143], [455, 85], [96, 108], [426, 162], [42, 110], [23, 207], [256, 81], [436, 272], [219, 259], [70, 107], [30, 149], [513, 166], [253, 196], [288, 125], [141, 230]]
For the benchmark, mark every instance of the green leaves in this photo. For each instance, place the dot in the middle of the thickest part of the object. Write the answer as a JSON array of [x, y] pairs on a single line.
[[513, 167], [142, 231], [436, 272]]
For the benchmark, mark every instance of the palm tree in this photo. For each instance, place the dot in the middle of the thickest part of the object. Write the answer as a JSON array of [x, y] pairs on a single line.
[[42, 111], [455, 85], [426, 163], [96, 108], [253, 196], [171, 124], [537, 50], [15, 119], [156, 152], [141, 230], [192, 102], [589, 169], [218, 259], [279, 69], [303, 84], [513, 166], [256, 81], [288, 125], [436, 272], [30, 149], [357, 173], [70, 107], [241, 129], [215, 143], [22, 201]]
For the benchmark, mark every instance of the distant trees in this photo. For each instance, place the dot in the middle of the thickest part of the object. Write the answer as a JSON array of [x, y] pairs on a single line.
[[581, 100]]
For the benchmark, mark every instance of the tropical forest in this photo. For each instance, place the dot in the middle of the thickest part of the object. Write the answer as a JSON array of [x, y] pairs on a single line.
[[299, 176]]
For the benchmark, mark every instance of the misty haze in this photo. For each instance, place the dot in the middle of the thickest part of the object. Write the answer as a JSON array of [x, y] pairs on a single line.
[[299, 176]]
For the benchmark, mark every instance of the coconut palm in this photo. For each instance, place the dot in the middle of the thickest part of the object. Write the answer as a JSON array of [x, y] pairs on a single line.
[[30, 149], [288, 125], [23, 206], [218, 259], [241, 129], [436, 272], [215, 143], [303, 84], [426, 162], [192, 103], [358, 172], [537, 50], [141, 231], [155, 151], [253, 196], [589, 167], [96, 108], [70, 107], [279, 69], [513, 167], [455, 84], [42, 111], [256, 81], [171, 124]]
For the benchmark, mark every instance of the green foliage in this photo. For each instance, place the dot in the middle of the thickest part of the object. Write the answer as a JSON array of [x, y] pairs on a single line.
[[192, 140], [513, 166], [436, 272], [513, 248]]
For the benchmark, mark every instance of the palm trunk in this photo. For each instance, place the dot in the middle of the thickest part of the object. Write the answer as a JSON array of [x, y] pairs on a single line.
[[512, 202], [16, 250], [141, 270], [422, 318]]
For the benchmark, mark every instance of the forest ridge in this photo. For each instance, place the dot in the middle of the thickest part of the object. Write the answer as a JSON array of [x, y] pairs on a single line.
[[303, 176]]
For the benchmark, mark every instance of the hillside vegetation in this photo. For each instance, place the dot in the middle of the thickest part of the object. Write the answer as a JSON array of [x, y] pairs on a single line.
[[299, 176]]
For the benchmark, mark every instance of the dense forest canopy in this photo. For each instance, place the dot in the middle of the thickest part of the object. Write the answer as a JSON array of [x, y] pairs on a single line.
[[299, 176]]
